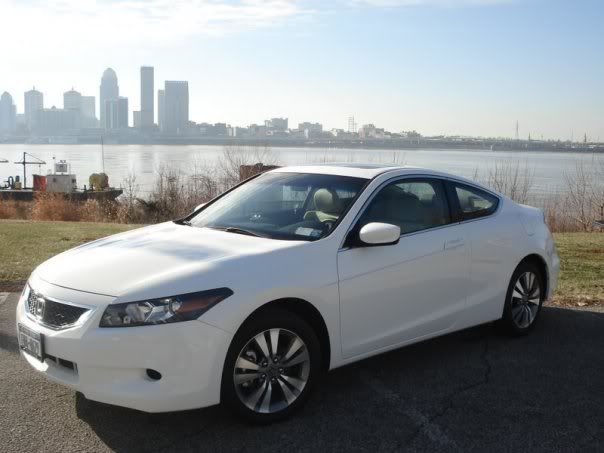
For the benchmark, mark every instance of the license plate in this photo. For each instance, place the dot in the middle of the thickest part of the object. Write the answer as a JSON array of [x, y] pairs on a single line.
[[31, 342]]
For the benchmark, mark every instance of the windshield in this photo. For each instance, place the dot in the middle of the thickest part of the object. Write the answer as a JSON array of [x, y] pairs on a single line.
[[290, 206]]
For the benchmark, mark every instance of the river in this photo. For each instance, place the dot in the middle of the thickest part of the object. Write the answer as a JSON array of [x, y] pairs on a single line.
[[548, 169]]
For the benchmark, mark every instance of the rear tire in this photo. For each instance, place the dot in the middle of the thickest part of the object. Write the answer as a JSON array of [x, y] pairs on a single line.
[[271, 367], [524, 299]]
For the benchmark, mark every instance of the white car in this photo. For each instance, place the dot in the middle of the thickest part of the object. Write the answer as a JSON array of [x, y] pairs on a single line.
[[292, 273]]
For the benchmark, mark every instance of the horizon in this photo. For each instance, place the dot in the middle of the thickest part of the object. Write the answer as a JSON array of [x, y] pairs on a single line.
[[441, 67]]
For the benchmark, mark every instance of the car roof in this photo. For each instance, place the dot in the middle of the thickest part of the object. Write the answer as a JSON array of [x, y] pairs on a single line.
[[357, 170], [371, 170]]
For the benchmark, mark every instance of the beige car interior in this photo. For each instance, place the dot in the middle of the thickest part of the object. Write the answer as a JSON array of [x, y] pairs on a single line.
[[327, 206]]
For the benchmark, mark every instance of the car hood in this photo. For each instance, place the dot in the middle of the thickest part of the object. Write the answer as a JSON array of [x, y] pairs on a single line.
[[155, 261]]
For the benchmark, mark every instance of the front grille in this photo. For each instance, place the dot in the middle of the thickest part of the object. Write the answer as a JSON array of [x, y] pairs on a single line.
[[51, 313]]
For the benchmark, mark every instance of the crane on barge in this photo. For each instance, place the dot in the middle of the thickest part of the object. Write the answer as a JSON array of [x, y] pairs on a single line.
[[25, 163]]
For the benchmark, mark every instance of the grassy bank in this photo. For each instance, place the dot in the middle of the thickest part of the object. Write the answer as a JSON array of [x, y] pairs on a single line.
[[26, 244]]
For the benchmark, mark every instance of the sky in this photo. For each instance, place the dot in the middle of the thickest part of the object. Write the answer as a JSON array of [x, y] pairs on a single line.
[[455, 67]]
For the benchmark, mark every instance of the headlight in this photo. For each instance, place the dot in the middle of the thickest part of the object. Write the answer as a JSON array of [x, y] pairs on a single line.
[[165, 310]]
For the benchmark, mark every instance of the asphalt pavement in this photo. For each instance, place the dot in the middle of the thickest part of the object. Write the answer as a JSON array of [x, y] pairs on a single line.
[[475, 390]]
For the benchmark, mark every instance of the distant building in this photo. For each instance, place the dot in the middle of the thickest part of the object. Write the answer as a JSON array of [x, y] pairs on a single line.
[[276, 124], [256, 130], [234, 131], [54, 121], [342, 134], [370, 131], [147, 117], [176, 107], [33, 101], [116, 114], [311, 130], [72, 100], [88, 111], [8, 114], [161, 109], [220, 129], [109, 91], [136, 119]]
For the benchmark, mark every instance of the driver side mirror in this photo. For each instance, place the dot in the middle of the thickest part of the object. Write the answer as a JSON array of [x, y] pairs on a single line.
[[199, 206], [376, 233]]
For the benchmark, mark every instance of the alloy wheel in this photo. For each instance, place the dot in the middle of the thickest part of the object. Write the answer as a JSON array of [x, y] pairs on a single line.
[[271, 371], [526, 298]]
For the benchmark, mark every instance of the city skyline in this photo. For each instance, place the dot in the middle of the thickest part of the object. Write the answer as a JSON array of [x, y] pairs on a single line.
[[439, 67]]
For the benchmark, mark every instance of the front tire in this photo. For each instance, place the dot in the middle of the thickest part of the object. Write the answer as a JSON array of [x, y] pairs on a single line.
[[524, 299], [271, 367]]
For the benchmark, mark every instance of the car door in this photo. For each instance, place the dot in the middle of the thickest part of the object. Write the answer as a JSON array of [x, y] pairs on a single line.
[[393, 294]]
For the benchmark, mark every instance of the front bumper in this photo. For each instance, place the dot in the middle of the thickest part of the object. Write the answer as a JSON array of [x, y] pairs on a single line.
[[110, 364]]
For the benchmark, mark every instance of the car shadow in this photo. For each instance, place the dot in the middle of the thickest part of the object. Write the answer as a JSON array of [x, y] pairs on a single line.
[[475, 389]]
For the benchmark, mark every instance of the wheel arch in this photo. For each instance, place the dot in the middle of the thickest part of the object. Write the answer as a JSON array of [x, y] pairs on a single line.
[[309, 313], [538, 261]]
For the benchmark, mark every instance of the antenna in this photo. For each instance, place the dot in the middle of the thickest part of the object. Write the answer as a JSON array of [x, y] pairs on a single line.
[[517, 135]]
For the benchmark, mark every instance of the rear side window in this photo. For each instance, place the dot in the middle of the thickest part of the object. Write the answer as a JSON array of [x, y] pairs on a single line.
[[475, 203]]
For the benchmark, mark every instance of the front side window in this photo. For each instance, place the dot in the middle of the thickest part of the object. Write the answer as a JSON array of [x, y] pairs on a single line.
[[294, 206], [474, 202], [412, 205]]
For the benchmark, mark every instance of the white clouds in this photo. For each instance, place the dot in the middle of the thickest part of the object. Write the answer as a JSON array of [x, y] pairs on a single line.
[[54, 24], [402, 3], [61, 26]]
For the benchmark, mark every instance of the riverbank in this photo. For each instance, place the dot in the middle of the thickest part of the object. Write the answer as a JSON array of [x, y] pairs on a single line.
[[389, 143], [26, 244]]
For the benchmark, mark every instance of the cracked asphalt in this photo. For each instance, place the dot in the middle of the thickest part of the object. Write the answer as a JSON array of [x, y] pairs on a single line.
[[475, 390]]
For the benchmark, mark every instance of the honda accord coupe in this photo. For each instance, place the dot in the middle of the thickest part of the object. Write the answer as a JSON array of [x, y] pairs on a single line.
[[251, 298]]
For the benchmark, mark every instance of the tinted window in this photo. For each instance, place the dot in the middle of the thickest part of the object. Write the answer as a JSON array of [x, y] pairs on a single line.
[[474, 202], [283, 206], [413, 205]]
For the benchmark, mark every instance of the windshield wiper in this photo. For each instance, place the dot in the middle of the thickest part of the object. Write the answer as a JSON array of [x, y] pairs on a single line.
[[182, 222], [237, 230]]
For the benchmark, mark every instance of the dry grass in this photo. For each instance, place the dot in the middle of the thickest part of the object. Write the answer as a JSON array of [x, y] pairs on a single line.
[[581, 281]]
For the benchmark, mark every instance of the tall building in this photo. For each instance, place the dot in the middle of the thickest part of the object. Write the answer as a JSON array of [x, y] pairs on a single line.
[[8, 114], [176, 107], [147, 117], [109, 91], [161, 109], [88, 110], [116, 113], [72, 100], [33, 101]]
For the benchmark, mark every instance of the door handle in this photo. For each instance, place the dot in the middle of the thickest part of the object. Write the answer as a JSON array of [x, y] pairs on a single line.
[[454, 243]]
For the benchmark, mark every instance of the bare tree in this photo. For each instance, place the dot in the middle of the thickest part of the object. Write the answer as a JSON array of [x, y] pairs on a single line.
[[234, 156], [510, 179], [584, 195]]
